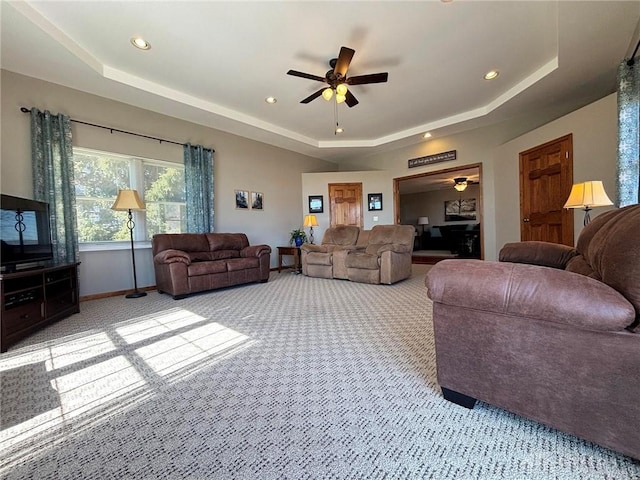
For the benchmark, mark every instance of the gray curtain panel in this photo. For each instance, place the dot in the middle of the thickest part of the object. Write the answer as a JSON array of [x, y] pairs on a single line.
[[53, 180], [198, 178], [628, 174]]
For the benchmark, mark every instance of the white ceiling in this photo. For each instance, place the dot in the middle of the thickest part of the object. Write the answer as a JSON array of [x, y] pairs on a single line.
[[214, 63]]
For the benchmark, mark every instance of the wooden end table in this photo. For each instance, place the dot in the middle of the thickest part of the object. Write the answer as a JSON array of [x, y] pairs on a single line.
[[293, 251]]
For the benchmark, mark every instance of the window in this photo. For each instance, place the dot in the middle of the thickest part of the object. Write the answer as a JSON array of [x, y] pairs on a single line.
[[99, 176]]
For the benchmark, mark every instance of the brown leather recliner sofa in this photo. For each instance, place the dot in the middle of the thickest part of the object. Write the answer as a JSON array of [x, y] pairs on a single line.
[[187, 263], [551, 333]]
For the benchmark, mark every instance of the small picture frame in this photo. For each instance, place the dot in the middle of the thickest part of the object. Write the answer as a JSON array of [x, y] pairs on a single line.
[[257, 200], [242, 199], [316, 204], [375, 201]]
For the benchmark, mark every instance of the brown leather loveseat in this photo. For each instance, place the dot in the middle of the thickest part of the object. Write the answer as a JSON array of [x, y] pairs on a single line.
[[550, 333], [186, 263]]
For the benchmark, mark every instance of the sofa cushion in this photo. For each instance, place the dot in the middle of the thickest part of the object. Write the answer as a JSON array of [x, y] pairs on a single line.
[[372, 248], [359, 259], [226, 241], [319, 258], [187, 242], [341, 235], [206, 268], [236, 264], [400, 234], [610, 245]]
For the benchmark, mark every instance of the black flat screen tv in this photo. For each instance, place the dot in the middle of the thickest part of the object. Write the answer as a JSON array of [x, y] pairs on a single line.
[[25, 233]]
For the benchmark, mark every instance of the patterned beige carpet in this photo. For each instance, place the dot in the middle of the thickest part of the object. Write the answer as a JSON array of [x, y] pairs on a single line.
[[299, 378]]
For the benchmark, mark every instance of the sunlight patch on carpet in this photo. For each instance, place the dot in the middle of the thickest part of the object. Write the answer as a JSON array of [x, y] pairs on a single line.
[[90, 378]]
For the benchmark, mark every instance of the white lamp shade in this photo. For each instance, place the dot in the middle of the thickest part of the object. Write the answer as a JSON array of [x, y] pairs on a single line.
[[588, 194], [128, 200], [310, 221], [423, 220]]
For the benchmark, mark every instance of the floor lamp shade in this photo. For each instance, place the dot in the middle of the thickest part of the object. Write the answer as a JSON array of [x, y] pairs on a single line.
[[423, 220], [129, 200], [587, 195]]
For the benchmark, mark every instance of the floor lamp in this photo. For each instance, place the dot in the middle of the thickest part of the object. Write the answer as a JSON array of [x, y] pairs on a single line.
[[422, 221], [127, 201], [587, 195], [310, 221]]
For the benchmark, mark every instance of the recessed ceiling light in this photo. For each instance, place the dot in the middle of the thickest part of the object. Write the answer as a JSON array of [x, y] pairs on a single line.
[[271, 100], [339, 130], [491, 75], [140, 43], [426, 135]]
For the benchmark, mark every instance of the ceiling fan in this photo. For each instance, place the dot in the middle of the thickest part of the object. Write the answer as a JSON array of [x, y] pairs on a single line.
[[338, 81]]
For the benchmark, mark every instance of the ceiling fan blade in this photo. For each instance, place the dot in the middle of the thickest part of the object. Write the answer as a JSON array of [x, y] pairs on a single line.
[[313, 96], [351, 100], [344, 59], [295, 73], [364, 79]]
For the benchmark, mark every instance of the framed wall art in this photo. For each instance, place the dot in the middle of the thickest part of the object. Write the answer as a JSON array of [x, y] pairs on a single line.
[[375, 201], [257, 200], [460, 210], [316, 204], [242, 199]]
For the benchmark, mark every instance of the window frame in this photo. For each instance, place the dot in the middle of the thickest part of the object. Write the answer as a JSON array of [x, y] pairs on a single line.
[[136, 179]]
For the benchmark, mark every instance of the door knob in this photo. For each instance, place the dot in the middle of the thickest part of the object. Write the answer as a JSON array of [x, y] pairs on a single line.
[[525, 220]]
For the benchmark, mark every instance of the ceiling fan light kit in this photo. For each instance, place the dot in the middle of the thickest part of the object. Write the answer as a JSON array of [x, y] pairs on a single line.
[[460, 184]]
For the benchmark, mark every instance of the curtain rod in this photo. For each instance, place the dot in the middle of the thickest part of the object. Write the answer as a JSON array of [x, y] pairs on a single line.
[[631, 61], [26, 110]]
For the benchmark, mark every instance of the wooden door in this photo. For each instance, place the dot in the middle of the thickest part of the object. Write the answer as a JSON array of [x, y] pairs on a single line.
[[546, 176], [345, 201]]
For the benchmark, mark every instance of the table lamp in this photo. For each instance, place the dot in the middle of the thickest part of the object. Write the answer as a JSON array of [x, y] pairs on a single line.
[[310, 221], [586, 195]]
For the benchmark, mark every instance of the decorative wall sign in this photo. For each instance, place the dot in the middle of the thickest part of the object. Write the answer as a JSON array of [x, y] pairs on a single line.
[[460, 210], [375, 201], [315, 204], [257, 200], [242, 199], [429, 159]]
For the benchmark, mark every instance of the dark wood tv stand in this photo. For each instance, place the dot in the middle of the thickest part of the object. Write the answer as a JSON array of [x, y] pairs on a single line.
[[34, 298]]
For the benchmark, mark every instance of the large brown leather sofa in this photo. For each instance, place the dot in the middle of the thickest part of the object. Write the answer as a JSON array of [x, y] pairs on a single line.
[[379, 255], [187, 263], [550, 333]]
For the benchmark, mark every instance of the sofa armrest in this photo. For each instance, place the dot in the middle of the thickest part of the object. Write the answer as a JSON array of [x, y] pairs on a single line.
[[255, 250], [307, 247], [395, 248], [529, 291], [537, 253], [172, 256]]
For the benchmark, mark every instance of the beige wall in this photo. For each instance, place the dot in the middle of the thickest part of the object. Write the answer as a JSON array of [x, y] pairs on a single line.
[[239, 164], [594, 130], [372, 182], [287, 178]]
